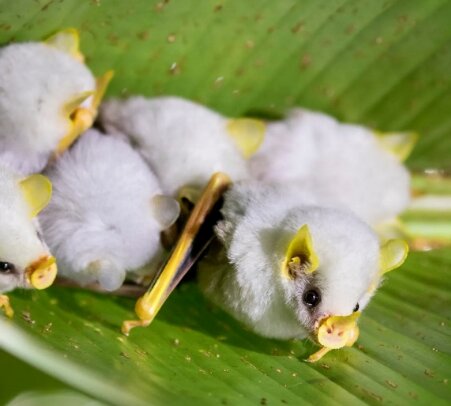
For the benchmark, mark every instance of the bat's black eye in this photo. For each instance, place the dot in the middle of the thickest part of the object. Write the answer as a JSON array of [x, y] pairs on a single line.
[[6, 267], [356, 308], [312, 298]]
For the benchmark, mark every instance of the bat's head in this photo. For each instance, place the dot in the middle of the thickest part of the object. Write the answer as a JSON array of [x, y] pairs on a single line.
[[293, 274], [49, 96], [25, 260], [331, 267]]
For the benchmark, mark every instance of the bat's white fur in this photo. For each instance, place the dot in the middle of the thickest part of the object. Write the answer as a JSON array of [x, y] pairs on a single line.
[[343, 162], [184, 142], [36, 82], [247, 281], [100, 223], [20, 242]]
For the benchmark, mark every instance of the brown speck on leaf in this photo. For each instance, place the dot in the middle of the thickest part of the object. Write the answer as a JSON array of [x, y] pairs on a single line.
[[160, 5], [47, 328], [5, 27], [143, 35], [350, 29], [429, 373], [270, 30], [27, 317], [124, 355], [298, 27], [175, 69], [218, 7], [171, 38], [391, 384], [373, 395], [306, 61], [413, 395], [360, 347]]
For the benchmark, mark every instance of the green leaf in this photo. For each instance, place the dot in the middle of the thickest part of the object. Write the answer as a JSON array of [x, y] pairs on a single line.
[[383, 63], [195, 352]]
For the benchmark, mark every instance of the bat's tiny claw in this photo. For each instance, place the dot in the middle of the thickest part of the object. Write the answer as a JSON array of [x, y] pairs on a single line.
[[6, 306], [128, 325]]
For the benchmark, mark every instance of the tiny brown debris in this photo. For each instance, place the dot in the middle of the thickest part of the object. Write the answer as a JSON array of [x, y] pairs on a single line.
[[391, 384], [124, 355], [27, 317], [175, 69], [429, 373], [249, 44], [350, 29], [373, 395], [171, 38], [143, 35], [47, 328], [306, 61], [298, 27], [413, 395], [218, 7]]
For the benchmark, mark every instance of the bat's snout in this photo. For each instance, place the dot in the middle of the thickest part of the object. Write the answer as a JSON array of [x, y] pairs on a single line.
[[42, 273], [334, 332], [338, 331]]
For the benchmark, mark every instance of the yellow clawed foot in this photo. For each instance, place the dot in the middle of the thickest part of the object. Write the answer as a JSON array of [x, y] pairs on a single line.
[[318, 355], [128, 325], [183, 256], [6, 306]]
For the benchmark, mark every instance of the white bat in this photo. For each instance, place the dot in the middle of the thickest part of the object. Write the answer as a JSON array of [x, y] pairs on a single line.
[[48, 98], [107, 212], [25, 261]]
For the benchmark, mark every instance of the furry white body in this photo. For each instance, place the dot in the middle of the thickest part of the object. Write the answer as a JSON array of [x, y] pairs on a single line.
[[344, 163], [245, 277], [183, 142], [100, 222], [37, 81], [20, 244]]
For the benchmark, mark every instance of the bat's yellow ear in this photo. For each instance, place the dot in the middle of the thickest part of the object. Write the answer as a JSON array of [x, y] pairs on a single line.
[[300, 255], [37, 191], [102, 83], [67, 41], [392, 255], [247, 133], [74, 103], [398, 144]]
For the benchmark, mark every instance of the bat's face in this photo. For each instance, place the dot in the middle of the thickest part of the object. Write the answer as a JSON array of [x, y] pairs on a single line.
[[24, 258], [330, 272]]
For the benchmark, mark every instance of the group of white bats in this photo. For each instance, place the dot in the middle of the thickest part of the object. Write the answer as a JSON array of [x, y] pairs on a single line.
[[309, 209]]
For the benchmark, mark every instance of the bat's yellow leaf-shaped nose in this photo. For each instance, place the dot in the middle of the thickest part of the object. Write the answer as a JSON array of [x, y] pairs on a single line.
[[42, 273], [336, 332]]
